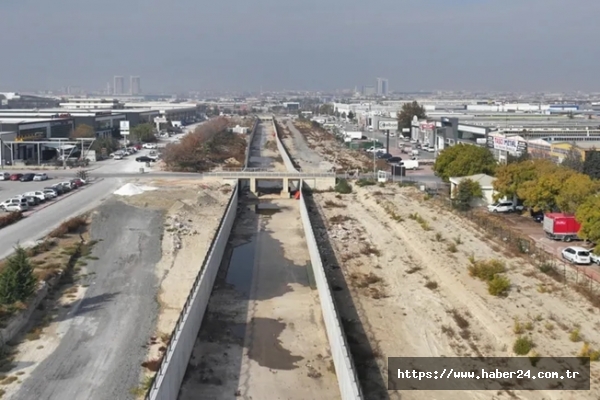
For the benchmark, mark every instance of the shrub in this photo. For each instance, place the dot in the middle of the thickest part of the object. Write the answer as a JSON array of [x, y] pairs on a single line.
[[10, 218], [523, 345], [499, 285], [365, 182], [574, 335], [343, 187], [69, 226], [152, 365], [452, 248], [17, 281], [518, 328], [486, 270]]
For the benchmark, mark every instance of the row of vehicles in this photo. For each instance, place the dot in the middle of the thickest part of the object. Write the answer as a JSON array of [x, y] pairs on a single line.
[[382, 155], [27, 177], [27, 200]]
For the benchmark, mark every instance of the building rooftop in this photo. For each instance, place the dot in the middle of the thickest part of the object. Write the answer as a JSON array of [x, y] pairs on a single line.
[[28, 120], [485, 181]]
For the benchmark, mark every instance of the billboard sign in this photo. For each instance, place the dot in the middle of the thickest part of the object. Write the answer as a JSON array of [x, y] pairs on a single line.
[[388, 125], [511, 145], [124, 127]]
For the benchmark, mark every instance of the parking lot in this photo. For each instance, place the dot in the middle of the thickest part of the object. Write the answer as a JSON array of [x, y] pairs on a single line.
[[10, 189]]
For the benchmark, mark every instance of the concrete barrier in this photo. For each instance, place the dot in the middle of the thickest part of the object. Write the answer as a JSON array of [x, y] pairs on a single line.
[[250, 139], [167, 381], [340, 352]]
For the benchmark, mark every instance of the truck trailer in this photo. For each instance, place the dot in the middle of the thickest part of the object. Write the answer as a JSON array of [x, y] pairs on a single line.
[[561, 227]]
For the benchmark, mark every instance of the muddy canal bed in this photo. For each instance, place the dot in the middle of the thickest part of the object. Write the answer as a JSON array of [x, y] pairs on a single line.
[[263, 335]]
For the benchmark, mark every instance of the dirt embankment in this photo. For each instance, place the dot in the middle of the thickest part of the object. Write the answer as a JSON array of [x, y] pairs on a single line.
[[330, 148], [399, 266], [193, 212]]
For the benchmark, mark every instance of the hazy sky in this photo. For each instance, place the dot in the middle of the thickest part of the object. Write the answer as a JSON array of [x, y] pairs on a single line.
[[522, 45]]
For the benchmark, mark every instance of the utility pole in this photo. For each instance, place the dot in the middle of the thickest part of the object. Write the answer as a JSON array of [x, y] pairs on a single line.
[[387, 141], [374, 155]]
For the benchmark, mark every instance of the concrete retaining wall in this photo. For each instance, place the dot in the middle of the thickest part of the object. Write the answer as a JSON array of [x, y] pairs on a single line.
[[287, 160], [340, 352], [168, 379], [250, 139]]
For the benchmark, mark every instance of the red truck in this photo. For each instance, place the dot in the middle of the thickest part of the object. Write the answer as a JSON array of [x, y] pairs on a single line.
[[561, 227]]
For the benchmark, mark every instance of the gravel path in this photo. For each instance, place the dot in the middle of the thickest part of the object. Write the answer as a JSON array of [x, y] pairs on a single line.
[[100, 352], [308, 158]]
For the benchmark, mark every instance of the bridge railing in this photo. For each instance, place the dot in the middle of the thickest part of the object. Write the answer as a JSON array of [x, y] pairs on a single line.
[[268, 174]]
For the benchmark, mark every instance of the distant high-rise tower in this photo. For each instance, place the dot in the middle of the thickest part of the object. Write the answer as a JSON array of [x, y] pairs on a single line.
[[119, 85], [135, 85], [382, 87]]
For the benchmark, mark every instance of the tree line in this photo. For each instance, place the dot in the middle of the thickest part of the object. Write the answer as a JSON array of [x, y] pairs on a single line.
[[571, 187]]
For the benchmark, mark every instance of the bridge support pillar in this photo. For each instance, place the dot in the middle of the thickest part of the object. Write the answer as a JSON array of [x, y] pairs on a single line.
[[285, 193], [253, 185]]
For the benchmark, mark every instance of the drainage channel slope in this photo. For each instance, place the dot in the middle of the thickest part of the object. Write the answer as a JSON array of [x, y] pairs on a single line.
[[263, 336]]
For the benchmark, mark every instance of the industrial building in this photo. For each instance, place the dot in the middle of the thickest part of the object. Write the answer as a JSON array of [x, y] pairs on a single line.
[[16, 100]]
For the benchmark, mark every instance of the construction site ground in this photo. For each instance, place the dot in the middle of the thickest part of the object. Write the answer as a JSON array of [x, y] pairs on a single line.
[[398, 265], [262, 336]]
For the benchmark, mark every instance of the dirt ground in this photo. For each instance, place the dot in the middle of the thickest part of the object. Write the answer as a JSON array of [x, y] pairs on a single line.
[[193, 211], [326, 145], [405, 260], [263, 336]]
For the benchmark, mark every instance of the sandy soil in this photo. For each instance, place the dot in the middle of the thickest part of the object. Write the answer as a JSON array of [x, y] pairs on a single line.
[[414, 296], [328, 148], [193, 212], [263, 336]]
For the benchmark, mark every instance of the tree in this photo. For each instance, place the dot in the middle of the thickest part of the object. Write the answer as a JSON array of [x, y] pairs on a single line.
[[465, 192], [591, 165], [83, 131], [511, 177], [351, 116], [17, 281], [573, 159], [105, 146], [343, 115], [542, 193], [143, 133], [588, 215], [407, 112], [575, 191], [464, 160], [326, 109]]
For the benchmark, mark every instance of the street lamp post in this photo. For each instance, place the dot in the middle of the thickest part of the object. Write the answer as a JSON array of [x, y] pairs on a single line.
[[374, 154]]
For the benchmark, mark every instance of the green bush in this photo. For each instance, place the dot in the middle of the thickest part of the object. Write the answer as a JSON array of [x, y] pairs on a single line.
[[498, 285], [486, 269], [523, 345], [17, 281], [343, 187], [365, 182]]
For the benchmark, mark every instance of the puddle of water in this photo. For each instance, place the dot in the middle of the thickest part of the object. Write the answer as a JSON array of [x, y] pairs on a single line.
[[241, 266], [267, 209], [267, 350]]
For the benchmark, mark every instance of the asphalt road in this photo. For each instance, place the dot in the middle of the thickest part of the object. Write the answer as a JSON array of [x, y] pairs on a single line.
[[43, 220], [102, 338]]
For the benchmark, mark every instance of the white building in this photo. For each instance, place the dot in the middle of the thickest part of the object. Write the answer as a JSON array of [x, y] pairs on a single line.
[[487, 188]]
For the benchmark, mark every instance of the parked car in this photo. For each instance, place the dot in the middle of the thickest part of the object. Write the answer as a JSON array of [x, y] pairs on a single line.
[[576, 255], [50, 193], [40, 177], [537, 216], [384, 156], [149, 146], [27, 177], [145, 159], [4, 176], [502, 207], [595, 258], [39, 194], [58, 188], [14, 200], [31, 200], [394, 159], [15, 207], [77, 182], [15, 177], [68, 184], [117, 157]]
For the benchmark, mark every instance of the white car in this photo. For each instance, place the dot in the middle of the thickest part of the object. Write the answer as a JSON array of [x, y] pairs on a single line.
[[4, 176], [39, 194], [14, 207], [117, 157], [40, 177], [577, 255], [595, 258], [50, 193], [22, 202], [149, 146], [501, 207]]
